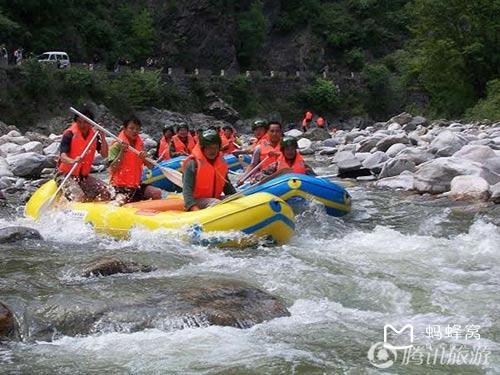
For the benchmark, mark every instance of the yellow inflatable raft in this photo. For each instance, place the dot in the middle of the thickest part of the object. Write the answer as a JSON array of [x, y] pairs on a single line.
[[260, 215]]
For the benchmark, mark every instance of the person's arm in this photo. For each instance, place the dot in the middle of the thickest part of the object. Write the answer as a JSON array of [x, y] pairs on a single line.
[[310, 171], [104, 145], [173, 152], [228, 188], [188, 180], [255, 159], [64, 149], [115, 156], [272, 168]]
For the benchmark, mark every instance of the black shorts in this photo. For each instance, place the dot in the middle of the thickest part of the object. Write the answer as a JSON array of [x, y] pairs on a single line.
[[132, 195]]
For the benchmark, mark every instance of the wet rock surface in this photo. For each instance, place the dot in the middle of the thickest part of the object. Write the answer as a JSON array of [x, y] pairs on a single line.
[[16, 233], [107, 266]]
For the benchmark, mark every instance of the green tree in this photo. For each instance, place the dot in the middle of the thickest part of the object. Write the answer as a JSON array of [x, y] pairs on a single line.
[[323, 96], [251, 34], [489, 107]]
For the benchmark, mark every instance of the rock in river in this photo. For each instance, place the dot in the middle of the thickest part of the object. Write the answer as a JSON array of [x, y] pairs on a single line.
[[12, 234], [7, 322], [107, 266]]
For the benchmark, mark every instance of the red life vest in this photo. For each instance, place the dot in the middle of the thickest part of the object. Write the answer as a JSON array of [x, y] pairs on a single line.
[[78, 144], [181, 146], [260, 141], [298, 165], [164, 149], [320, 121], [210, 176], [129, 172], [229, 142], [265, 148]]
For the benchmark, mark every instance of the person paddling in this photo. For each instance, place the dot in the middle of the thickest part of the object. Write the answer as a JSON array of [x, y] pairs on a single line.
[[81, 187], [163, 150], [205, 173], [259, 129], [228, 139], [289, 158], [126, 167], [182, 143]]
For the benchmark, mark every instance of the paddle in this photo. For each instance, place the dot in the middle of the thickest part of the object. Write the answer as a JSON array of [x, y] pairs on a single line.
[[263, 181], [247, 175], [46, 205], [169, 173]]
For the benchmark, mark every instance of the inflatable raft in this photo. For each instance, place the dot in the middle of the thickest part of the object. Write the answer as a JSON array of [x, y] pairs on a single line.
[[155, 178], [260, 215], [297, 189]]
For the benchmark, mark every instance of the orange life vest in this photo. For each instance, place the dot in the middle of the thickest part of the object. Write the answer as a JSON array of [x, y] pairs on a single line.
[[229, 142], [298, 165], [261, 140], [78, 144], [129, 172], [210, 176], [265, 148], [164, 149], [320, 121], [181, 146]]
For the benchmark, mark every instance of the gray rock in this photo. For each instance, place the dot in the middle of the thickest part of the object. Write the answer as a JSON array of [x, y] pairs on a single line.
[[4, 168], [349, 147], [28, 164], [435, 176], [402, 119], [348, 165], [17, 140], [366, 178], [417, 155], [304, 143], [327, 151], [5, 182], [394, 126], [351, 136], [294, 133], [14, 133], [495, 193], [33, 146], [491, 170], [219, 109], [447, 143], [375, 160], [106, 266], [362, 156], [317, 134], [415, 123], [11, 148], [395, 149], [405, 181], [52, 149], [368, 144], [330, 142], [343, 155], [13, 234], [396, 166], [149, 144], [385, 143], [8, 327], [475, 153], [469, 188]]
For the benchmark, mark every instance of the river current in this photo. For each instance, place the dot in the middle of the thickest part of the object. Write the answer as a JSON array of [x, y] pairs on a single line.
[[397, 259]]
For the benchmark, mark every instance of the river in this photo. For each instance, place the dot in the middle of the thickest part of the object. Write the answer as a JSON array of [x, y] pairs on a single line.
[[396, 259]]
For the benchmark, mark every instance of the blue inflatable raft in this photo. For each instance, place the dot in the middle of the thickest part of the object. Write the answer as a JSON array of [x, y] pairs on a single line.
[[155, 178]]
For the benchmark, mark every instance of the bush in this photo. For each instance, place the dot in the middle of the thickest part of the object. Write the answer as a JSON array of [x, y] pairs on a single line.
[[355, 59], [241, 96], [489, 107], [322, 96], [251, 34], [383, 94]]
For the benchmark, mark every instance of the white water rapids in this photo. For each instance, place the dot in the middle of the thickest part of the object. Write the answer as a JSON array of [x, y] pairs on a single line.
[[397, 259]]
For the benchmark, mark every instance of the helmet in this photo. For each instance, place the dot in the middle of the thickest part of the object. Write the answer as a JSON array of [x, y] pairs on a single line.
[[260, 123], [209, 137], [289, 141], [182, 125], [166, 128]]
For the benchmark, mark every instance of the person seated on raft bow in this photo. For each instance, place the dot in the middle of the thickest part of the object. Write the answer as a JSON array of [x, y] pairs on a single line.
[[126, 167], [290, 158], [182, 143], [81, 187], [205, 173], [259, 128], [268, 151], [163, 150]]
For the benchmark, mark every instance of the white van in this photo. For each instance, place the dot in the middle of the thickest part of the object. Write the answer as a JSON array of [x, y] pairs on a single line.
[[59, 59]]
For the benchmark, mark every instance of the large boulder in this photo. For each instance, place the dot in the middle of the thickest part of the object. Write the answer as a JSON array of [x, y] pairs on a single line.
[[52, 149], [469, 188], [366, 145], [435, 176], [10, 148], [405, 181], [33, 146], [396, 166], [375, 161], [343, 155], [106, 266], [13, 234], [476, 153], [219, 109], [8, 326], [330, 142], [401, 119], [317, 134], [416, 155], [395, 149], [386, 142], [28, 164], [415, 123], [296, 133], [491, 170], [447, 143]]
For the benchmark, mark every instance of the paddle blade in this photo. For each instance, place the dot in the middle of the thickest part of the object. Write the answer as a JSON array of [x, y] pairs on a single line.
[[40, 200], [172, 175]]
